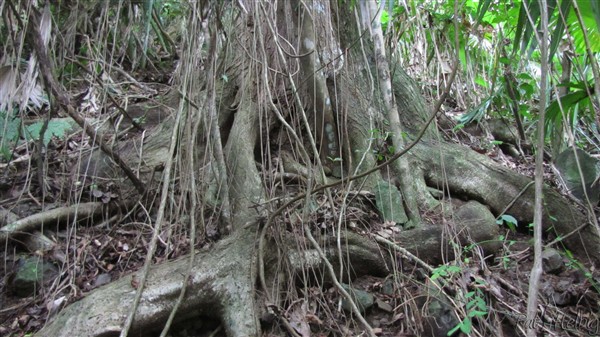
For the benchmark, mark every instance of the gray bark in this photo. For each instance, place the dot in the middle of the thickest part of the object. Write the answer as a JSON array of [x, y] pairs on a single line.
[[474, 176], [221, 286]]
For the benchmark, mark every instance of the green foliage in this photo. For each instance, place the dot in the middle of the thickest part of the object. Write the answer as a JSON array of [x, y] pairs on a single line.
[[590, 13], [509, 220], [56, 128], [9, 133], [12, 131], [499, 57], [476, 308], [477, 113], [573, 104], [506, 259], [444, 271], [474, 300], [381, 149], [574, 263]]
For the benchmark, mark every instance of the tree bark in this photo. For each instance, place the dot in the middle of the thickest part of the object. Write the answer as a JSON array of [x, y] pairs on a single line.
[[223, 279], [222, 286], [474, 176]]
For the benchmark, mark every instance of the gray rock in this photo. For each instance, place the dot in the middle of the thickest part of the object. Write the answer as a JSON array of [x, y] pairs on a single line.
[[437, 194], [437, 313], [566, 164], [477, 225], [102, 279], [552, 261], [31, 274], [361, 298], [388, 287], [389, 203]]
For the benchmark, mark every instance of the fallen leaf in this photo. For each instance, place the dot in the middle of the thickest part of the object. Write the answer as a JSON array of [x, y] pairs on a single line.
[[298, 320], [384, 306]]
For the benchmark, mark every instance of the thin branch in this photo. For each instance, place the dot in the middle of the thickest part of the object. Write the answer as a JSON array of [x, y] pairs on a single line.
[[591, 56], [331, 271], [63, 100], [536, 271], [157, 225]]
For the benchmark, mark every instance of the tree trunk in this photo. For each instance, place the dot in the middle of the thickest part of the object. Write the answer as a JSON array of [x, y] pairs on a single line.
[[309, 95]]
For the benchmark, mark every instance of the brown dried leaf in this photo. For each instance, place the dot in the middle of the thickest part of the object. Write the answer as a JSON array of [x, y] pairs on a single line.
[[298, 320]]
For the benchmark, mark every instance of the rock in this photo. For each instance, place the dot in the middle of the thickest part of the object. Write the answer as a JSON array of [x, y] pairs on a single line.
[[389, 203], [569, 172], [384, 306], [361, 298], [438, 315], [437, 194], [477, 224], [503, 131], [102, 279], [559, 294], [388, 287], [30, 275], [552, 261]]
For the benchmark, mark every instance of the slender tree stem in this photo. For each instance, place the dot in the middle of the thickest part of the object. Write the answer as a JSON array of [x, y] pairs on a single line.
[[536, 271]]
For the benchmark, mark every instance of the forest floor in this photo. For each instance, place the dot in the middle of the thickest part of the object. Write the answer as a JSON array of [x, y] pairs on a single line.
[[96, 253], [93, 255]]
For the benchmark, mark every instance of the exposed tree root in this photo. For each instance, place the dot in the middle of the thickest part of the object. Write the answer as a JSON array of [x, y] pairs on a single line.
[[222, 285], [474, 176], [76, 212]]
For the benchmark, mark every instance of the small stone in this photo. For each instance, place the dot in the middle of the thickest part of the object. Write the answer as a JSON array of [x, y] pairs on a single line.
[[31, 274], [435, 193], [388, 287], [384, 306], [102, 279], [361, 298], [552, 261]]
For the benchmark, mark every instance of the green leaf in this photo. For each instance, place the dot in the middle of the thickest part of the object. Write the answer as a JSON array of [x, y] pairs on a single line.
[[527, 89], [56, 127], [465, 326], [9, 128], [478, 112], [509, 218], [9, 134], [477, 313], [510, 221], [559, 30], [385, 18], [482, 9], [567, 101], [481, 81], [524, 77], [504, 60]]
